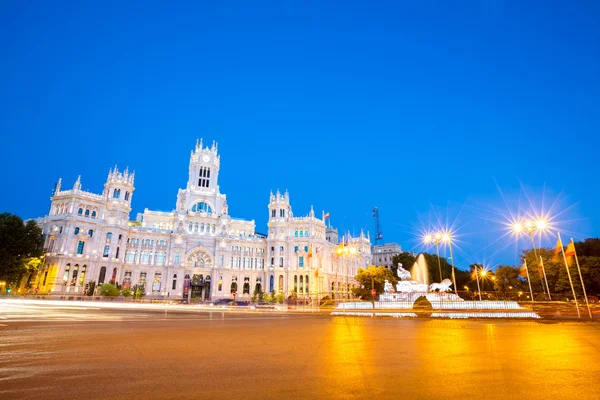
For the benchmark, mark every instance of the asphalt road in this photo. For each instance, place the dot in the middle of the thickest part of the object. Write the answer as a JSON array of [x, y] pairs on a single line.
[[88, 353]]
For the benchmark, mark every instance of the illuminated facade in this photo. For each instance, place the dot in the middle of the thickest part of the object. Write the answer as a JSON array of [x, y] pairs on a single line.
[[197, 250]]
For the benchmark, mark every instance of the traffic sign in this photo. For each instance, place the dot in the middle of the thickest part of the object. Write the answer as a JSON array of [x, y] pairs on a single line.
[[373, 292]]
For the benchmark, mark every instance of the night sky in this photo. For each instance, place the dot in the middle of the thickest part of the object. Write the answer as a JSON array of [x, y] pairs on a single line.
[[454, 113]]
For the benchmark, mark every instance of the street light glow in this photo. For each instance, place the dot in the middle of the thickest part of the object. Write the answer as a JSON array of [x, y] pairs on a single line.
[[427, 238], [517, 227], [438, 236], [541, 224]]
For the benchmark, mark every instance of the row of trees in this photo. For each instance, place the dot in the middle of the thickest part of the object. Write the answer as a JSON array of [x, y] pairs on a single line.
[[504, 278]]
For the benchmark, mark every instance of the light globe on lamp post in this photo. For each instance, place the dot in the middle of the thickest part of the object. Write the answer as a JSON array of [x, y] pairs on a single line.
[[436, 238]]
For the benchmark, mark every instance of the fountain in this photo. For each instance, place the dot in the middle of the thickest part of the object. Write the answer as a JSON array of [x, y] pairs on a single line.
[[438, 294]]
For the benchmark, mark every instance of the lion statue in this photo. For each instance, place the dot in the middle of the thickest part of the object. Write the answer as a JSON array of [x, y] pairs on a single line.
[[443, 286]]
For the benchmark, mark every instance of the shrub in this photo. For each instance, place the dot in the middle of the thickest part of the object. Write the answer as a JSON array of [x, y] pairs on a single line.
[[422, 304], [108, 290]]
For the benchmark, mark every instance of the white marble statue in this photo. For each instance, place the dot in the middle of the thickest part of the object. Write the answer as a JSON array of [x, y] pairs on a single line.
[[403, 274], [388, 287], [443, 286]]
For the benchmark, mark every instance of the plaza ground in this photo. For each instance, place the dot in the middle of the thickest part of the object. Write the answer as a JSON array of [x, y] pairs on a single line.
[[87, 352]]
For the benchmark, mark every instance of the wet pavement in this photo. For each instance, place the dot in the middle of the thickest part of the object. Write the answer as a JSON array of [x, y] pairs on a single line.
[[95, 353]]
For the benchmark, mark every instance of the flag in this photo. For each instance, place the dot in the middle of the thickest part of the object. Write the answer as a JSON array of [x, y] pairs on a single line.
[[557, 250], [310, 251], [325, 216], [523, 271], [570, 251]]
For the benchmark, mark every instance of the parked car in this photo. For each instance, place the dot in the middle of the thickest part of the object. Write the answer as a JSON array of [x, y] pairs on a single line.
[[221, 302]]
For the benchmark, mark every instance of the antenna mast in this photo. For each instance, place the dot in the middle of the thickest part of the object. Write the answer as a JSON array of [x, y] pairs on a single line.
[[378, 233]]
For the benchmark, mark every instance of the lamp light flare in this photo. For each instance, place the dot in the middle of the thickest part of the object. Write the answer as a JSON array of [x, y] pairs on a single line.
[[427, 238], [438, 236], [541, 224], [517, 227], [446, 237]]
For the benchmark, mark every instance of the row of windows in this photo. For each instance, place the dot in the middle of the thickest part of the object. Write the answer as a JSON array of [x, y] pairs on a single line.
[[158, 258], [247, 263], [300, 233], [117, 194], [281, 213], [86, 213], [148, 242], [300, 261], [74, 273], [304, 284], [248, 249], [208, 228]]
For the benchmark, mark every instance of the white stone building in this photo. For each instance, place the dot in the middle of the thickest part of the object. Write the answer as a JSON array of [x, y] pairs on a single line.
[[197, 249], [383, 254]]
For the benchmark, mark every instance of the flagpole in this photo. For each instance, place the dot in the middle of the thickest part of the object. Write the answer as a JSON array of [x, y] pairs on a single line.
[[569, 274], [581, 277], [544, 271], [529, 281]]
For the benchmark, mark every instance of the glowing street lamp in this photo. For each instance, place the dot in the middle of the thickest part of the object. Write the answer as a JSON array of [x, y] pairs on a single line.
[[447, 238], [436, 238], [531, 226]]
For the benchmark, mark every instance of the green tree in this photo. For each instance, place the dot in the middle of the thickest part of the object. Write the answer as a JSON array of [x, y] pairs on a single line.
[[127, 292], [258, 294], [21, 248], [372, 275], [108, 290], [507, 277]]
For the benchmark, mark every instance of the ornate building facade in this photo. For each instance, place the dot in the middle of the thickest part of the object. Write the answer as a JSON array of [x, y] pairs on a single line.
[[197, 250]]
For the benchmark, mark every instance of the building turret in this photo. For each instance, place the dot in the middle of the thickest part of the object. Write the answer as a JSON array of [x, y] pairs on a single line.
[[279, 207], [204, 168], [118, 191]]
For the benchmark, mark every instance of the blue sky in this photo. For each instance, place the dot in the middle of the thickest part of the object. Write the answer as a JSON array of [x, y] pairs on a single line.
[[422, 109]]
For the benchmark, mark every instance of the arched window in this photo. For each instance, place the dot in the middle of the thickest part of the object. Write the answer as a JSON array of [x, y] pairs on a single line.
[[281, 283], [190, 227], [202, 228], [301, 262], [126, 196], [80, 247], [102, 276], [306, 284], [233, 286], [202, 207], [301, 233], [82, 275], [90, 233], [93, 214], [109, 235], [213, 228], [80, 211], [306, 249], [271, 283], [66, 275], [76, 231], [296, 233], [296, 283], [87, 213], [116, 193], [74, 275], [246, 285], [106, 251], [295, 249], [301, 284], [281, 249], [305, 233], [113, 279]]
